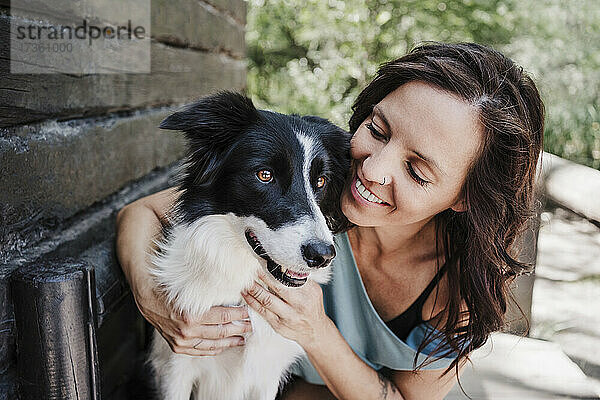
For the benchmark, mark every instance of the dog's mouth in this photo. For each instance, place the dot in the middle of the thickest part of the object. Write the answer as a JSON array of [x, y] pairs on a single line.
[[282, 274]]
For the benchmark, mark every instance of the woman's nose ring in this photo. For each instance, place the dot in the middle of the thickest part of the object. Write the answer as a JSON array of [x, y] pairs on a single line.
[[383, 183]]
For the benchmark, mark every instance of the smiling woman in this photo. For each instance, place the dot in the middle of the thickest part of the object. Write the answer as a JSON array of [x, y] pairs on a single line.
[[389, 144], [445, 143], [444, 151]]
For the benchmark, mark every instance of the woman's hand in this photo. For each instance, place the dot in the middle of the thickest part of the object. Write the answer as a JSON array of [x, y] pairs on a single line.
[[295, 313], [217, 329], [137, 225]]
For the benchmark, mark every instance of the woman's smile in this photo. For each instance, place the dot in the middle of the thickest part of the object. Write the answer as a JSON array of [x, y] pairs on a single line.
[[365, 196]]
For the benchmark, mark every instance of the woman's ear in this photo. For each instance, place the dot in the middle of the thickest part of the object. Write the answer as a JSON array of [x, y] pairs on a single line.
[[460, 206]]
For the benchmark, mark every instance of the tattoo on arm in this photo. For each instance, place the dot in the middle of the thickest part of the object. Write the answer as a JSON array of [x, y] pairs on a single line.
[[387, 386]]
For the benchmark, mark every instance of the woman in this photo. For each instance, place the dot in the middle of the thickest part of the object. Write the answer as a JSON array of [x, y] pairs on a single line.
[[445, 145]]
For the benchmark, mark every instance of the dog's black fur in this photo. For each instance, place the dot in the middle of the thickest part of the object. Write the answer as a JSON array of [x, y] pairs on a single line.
[[229, 140], [229, 219]]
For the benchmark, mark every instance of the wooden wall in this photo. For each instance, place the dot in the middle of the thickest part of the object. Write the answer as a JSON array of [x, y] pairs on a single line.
[[75, 148]]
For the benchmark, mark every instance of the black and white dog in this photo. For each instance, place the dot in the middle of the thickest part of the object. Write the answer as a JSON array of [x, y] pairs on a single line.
[[259, 189]]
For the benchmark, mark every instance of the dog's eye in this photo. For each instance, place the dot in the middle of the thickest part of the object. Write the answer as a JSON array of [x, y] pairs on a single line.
[[264, 175], [321, 181]]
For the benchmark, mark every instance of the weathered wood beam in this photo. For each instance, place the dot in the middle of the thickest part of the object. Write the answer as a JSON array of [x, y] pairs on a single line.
[[572, 186], [54, 306]]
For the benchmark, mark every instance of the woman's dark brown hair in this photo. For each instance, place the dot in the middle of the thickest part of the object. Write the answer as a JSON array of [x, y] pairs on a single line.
[[499, 189]]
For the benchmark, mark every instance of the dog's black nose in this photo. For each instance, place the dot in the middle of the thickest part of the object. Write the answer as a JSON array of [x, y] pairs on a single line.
[[317, 254]]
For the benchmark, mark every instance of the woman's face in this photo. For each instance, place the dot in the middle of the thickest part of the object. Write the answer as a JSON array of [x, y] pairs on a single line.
[[421, 140]]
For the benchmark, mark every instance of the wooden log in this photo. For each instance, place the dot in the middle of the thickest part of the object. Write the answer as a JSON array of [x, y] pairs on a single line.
[[572, 186], [89, 237], [8, 389], [211, 26], [199, 24], [60, 168], [56, 331], [178, 75]]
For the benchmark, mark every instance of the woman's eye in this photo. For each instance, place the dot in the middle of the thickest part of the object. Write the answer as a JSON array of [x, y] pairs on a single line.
[[264, 175], [321, 181], [415, 176], [376, 134]]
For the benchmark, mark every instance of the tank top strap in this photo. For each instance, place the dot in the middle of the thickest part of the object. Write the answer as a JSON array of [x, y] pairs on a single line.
[[425, 294]]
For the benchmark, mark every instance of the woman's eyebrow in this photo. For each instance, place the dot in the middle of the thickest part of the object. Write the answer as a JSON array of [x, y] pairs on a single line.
[[377, 111]]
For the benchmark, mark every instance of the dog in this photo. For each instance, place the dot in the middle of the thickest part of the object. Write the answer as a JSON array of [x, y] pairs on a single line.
[[258, 189]]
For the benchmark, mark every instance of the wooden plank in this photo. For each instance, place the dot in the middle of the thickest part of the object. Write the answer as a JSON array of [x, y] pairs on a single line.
[[69, 11], [197, 24], [70, 165], [572, 186], [177, 76]]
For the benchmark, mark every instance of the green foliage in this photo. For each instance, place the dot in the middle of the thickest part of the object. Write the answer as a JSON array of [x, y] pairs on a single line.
[[560, 46], [314, 57]]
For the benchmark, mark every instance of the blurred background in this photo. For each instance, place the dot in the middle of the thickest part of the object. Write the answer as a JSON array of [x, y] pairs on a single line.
[[314, 57]]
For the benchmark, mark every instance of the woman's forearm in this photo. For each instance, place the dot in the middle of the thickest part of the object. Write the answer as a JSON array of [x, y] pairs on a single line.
[[355, 380], [137, 226]]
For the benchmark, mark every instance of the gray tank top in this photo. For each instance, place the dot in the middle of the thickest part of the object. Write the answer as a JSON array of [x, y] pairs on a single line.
[[346, 302]]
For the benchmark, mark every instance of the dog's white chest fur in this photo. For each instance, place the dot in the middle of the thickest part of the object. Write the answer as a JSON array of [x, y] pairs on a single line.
[[204, 264]]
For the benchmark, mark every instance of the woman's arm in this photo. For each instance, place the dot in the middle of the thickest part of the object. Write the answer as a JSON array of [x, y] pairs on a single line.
[[138, 224], [298, 314], [357, 380]]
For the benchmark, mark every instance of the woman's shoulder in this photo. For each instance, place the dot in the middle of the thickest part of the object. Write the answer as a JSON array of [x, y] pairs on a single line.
[[435, 309], [440, 316]]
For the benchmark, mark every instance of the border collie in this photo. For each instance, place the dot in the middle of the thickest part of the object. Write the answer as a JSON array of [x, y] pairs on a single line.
[[258, 189]]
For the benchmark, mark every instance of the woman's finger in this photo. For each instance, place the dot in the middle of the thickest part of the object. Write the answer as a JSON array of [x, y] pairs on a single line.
[[294, 297], [209, 344], [274, 286], [221, 315], [259, 308], [265, 303], [215, 331]]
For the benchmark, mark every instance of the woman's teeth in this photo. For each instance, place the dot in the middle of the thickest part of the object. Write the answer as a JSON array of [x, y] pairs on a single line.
[[366, 194]]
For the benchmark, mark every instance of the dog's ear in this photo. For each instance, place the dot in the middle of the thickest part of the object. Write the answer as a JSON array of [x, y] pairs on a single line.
[[215, 121], [211, 126]]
